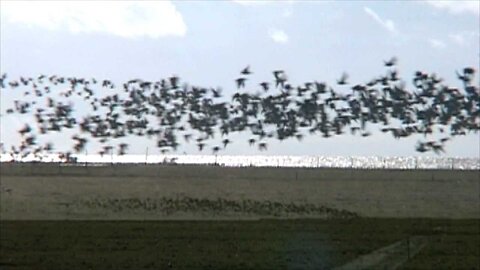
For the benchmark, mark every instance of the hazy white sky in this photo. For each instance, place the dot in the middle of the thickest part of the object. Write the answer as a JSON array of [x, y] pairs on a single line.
[[208, 43]]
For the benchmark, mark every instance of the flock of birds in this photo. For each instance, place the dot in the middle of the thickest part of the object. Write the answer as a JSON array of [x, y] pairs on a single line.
[[183, 204], [170, 110]]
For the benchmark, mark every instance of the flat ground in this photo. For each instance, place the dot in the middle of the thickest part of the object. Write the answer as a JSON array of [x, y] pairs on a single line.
[[263, 244], [200, 217], [159, 192]]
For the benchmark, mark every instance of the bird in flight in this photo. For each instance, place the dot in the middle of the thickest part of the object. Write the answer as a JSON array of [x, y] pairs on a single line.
[[315, 106], [240, 82], [265, 86], [246, 71], [280, 78], [225, 143], [343, 79], [390, 63], [262, 146]]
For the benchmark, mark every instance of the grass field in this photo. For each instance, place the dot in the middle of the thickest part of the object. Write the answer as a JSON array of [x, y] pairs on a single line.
[[263, 244], [158, 192], [205, 217]]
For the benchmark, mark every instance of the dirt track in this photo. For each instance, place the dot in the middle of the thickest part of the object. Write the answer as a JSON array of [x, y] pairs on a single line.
[[201, 192]]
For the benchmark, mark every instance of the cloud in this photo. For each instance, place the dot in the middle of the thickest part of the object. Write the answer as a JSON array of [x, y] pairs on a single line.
[[463, 38], [252, 2], [278, 36], [459, 39], [389, 25], [263, 2], [436, 43], [457, 7], [287, 13], [128, 19]]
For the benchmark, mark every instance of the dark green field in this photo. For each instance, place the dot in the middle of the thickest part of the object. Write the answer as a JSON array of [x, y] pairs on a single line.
[[264, 244]]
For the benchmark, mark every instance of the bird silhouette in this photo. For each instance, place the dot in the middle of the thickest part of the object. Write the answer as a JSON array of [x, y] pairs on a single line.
[[265, 86], [240, 82], [262, 146], [25, 129], [280, 78], [122, 149], [215, 149], [391, 62], [343, 79], [225, 143], [279, 113], [246, 71]]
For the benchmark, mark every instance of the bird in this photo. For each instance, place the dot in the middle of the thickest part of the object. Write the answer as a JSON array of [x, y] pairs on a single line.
[[225, 143], [391, 62], [174, 80], [265, 86], [25, 129], [240, 82], [445, 139], [217, 93], [280, 78], [3, 77], [421, 147], [262, 146], [343, 79], [200, 146], [187, 137], [215, 149], [299, 136], [122, 149], [184, 110], [437, 148], [246, 71]]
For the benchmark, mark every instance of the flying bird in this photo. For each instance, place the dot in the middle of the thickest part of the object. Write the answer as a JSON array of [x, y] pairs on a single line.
[[391, 62], [343, 79], [240, 82], [262, 146], [225, 143], [280, 78], [265, 86], [246, 71], [25, 129]]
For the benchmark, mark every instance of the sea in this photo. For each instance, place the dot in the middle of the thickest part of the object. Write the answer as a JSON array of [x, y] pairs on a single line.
[[359, 162]]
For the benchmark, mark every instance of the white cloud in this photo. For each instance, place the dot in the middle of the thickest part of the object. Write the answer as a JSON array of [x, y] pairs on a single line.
[[457, 7], [436, 43], [463, 38], [263, 2], [389, 25], [278, 36], [129, 19], [287, 13], [252, 2], [457, 38]]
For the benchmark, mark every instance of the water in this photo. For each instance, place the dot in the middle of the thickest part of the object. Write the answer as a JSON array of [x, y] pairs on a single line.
[[366, 162]]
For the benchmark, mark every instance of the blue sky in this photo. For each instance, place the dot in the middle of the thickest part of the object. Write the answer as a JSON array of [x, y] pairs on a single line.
[[208, 43]]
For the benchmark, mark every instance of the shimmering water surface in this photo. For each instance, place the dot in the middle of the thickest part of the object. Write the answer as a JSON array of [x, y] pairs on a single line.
[[274, 161]]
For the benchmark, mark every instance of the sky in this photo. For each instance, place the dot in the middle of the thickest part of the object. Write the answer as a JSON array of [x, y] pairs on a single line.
[[209, 42]]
